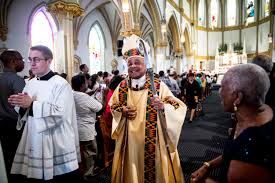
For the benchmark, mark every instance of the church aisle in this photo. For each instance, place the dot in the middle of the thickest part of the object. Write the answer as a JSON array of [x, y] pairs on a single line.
[[204, 138], [200, 141]]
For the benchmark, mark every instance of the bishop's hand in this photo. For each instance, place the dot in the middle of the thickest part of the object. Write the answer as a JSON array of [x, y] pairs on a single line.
[[157, 103], [129, 112]]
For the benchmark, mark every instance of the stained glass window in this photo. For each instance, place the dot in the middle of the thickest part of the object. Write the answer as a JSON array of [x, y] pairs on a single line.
[[250, 11], [231, 12], [214, 13], [266, 8], [43, 29], [96, 49], [201, 13]]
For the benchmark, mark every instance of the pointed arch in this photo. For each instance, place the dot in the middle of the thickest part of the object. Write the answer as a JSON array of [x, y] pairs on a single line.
[[42, 30], [42, 27], [97, 45], [153, 9], [175, 33], [187, 43]]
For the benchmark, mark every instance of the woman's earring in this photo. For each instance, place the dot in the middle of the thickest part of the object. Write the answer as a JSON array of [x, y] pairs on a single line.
[[235, 107]]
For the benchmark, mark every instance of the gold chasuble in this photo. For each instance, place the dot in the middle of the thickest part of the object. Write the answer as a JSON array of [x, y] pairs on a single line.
[[141, 154]]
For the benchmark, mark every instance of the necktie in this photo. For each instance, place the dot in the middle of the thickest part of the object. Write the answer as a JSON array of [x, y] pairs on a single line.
[[136, 86]]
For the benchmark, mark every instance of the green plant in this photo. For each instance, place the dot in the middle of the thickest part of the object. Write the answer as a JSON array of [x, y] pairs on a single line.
[[238, 47], [222, 48]]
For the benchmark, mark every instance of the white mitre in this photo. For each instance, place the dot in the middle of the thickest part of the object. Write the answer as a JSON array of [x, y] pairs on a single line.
[[132, 47]]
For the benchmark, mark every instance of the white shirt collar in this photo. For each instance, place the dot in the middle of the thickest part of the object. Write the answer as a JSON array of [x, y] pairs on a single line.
[[138, 82]]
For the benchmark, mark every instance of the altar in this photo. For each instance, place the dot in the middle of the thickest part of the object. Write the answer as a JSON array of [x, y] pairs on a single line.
[[224, 61]]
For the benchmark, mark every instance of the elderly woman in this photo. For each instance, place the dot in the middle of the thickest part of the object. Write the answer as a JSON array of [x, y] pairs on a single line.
[[249, 156]]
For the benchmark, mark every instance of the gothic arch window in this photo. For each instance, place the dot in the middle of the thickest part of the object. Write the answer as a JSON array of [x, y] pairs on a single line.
[[96, 49], [266, 8], [250, 11], [214, 11], [231, 12], [43, 28], [201, 13]]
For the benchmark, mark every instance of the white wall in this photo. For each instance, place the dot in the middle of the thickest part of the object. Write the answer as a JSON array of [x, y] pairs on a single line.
[[214, 40], [249, 35], [263, 37], [83, 37], [202, 43], [231, 37], [17, 38]]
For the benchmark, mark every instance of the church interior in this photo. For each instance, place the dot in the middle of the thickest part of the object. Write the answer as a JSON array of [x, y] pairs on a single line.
[[184, 36], [202, 35]]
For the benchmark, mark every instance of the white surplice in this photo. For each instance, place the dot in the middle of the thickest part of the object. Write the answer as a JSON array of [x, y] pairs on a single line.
[[49, 145]]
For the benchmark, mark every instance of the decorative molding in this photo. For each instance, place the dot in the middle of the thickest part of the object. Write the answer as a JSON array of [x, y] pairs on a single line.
[[61, 7], [130, 32], [3, 33], [189, 55], [75, 41], [197, 57], [179, 51], [249, 55], [4, 10], [180, 10], [230, 28], [162, 44]]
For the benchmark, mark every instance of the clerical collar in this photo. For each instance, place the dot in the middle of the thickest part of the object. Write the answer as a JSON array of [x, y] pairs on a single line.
[[138, 83], [46, 77]]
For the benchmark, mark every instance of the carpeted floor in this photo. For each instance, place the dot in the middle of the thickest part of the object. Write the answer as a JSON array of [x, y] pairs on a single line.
[[200, 141]]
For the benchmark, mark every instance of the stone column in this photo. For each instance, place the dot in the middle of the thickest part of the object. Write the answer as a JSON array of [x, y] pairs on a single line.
[[178, 60], [160, 61], [65, 11]]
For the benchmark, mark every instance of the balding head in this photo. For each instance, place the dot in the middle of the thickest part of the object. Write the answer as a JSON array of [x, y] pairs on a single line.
[[249, 79]]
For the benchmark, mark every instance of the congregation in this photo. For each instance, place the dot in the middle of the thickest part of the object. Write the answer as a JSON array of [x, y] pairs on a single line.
[[56, 131]]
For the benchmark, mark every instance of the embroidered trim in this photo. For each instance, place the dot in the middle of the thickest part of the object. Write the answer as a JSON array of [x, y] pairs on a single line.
[[150, 134], [150, 126], [169, 100], [44, 167], [133, 52], [116, 107], [57, 156]]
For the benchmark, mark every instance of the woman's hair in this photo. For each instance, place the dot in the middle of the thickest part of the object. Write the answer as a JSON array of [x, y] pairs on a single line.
[[263, 61], [9, 55], [249, 79], [77, 81], [115, 82], [93, 79]]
